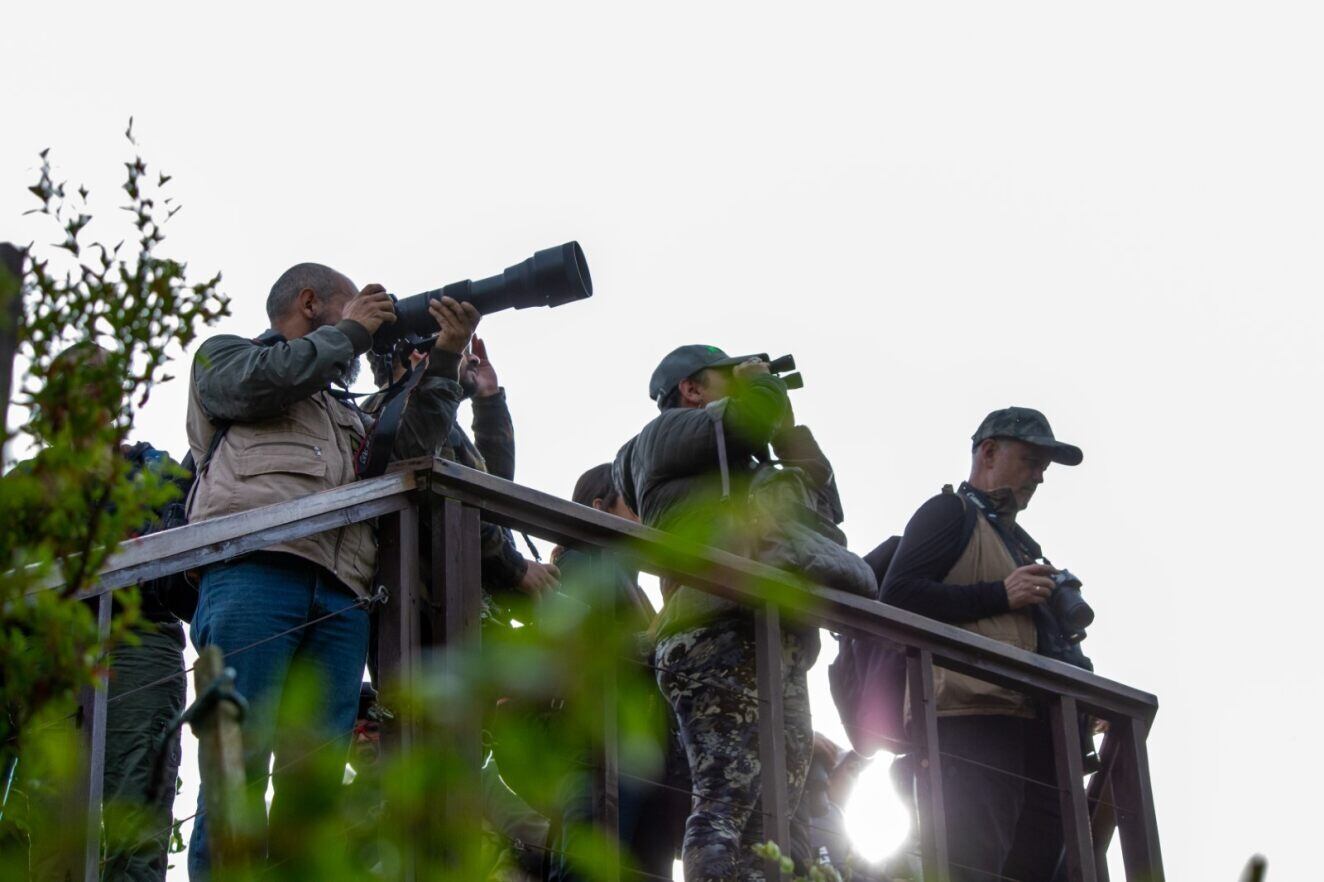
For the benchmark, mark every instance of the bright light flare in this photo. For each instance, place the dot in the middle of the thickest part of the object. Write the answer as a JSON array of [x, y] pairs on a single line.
[[877, 821]]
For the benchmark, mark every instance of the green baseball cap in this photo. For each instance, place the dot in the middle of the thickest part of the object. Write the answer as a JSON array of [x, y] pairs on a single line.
[[1028, 425], [686, 361]]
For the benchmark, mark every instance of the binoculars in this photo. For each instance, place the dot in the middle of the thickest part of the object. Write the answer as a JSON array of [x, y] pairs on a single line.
[[784, 367], [550, 277]]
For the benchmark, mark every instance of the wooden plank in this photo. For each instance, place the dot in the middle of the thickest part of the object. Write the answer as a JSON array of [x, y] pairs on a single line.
[[1136, 820], [11, 314], [397, 633], [88, 795], [398, 650], [1065, 722], [1103, 817], [221, 764], [747, 582], [606, 790], [461, 575], [460, 571], [183, 548], [928, 772], [772, 733]]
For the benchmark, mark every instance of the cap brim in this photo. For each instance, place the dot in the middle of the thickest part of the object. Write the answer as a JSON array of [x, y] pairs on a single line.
[[732, 361], [1058, 452]]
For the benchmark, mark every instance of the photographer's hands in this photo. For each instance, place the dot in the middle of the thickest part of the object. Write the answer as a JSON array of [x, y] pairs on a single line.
[[456, 322], [539, 579], [371, 308], [1029, 585], [484, 374]]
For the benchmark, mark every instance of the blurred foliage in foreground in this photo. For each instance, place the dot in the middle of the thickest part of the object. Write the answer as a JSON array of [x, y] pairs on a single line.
[[98, 325]]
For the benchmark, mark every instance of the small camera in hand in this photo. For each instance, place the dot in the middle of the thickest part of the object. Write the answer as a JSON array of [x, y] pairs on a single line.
[[1067, 605]]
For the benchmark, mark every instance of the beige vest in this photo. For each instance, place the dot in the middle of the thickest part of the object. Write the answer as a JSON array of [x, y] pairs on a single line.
[[309, 448], [986, 559]]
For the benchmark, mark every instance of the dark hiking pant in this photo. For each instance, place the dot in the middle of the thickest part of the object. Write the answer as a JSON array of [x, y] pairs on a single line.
[[146, 693], [999, 824], [708, 677]]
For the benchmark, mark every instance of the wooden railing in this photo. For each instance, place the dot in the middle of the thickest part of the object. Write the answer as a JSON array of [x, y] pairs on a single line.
[[1118, 798]]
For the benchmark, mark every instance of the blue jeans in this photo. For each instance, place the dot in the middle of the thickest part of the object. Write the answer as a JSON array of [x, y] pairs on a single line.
[[260, 598]]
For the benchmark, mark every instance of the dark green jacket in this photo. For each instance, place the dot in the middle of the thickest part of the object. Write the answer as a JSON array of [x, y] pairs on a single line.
[[670, 474], [286, 436]]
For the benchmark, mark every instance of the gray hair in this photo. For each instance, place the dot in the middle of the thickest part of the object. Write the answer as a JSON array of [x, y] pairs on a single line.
[[321, 279]]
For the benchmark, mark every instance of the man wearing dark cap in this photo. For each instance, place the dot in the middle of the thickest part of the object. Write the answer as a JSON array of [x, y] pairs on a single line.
[[965, 560], [690, 472]]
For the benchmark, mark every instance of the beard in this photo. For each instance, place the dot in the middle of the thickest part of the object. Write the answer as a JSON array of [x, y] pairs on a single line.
[[352, 372], [468, 384]]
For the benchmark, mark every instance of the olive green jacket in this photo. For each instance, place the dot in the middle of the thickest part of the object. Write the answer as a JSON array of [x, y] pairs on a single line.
[[289, 437]]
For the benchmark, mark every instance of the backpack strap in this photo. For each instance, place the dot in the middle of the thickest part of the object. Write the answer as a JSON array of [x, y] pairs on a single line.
[[970, 510], [718, 415]]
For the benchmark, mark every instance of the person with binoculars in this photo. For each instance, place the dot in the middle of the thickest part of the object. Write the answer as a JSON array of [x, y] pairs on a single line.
[[267, 424], [964, 559], [702, 469]]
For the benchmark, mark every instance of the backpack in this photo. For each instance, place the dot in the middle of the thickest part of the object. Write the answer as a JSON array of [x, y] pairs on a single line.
[[788, 526], [868, 677], [172, 591]]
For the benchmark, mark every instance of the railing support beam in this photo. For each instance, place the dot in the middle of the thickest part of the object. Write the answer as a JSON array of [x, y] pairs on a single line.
[[1065, 720], [772, 732], [1136, 821], [928, 771]]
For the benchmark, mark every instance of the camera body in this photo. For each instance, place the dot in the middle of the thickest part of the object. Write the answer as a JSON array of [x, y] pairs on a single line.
[[1069, 608]]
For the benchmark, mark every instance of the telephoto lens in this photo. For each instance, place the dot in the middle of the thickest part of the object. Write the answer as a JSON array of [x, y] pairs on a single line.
[[550, 277]]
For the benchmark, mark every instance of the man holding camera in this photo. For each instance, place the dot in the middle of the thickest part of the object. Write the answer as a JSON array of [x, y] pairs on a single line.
[[266, 426], [965, 560], [690, 472], [470, 375]]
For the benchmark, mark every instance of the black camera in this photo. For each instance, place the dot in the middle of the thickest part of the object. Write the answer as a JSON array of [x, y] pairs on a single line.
[[1067, 605], [550, 277]]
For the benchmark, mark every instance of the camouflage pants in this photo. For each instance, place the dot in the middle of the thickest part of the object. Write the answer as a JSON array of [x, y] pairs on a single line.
[[708, 676]]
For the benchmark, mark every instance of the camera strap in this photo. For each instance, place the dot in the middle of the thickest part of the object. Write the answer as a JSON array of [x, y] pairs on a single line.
[[1024, 550], [374, 453]]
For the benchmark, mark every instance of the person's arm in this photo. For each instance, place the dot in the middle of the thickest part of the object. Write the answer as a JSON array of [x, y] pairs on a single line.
[[241, 381], [796, 446], [502, 565], [494, 434], [933, 541], [431, 411], [494, 431]]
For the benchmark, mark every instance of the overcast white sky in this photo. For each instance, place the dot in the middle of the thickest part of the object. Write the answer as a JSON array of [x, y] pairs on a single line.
[[1111, 213]]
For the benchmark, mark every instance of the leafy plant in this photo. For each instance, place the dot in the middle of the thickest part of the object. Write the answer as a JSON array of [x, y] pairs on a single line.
[[99, 323]]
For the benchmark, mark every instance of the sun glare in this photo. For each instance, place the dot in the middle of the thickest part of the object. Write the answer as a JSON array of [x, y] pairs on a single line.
[[876, 819]]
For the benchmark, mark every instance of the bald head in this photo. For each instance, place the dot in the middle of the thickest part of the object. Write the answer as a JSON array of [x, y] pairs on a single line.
[[325, 283]]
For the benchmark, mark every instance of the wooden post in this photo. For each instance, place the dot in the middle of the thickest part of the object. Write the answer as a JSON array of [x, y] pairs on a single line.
[[398, 646], [457, 578], [606, 790], [928, 772], [457, 581], [85, 799], [1136, 819], [398, 625], [221, 762], [772, 732], [1103, 818], [11, 312], [1065, 721]]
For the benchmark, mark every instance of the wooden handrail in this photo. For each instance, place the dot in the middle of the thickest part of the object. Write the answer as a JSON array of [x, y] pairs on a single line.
[[748, 583], [702, 567], [209, 541]]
